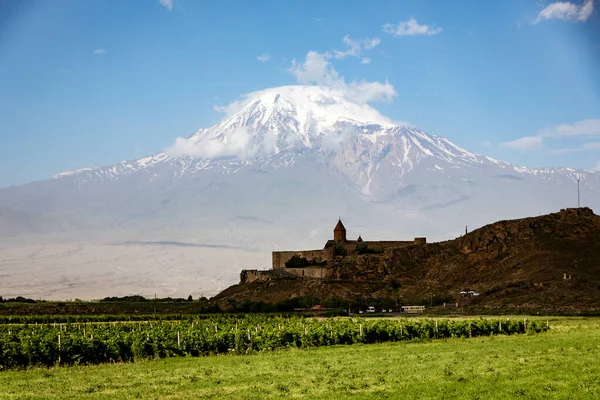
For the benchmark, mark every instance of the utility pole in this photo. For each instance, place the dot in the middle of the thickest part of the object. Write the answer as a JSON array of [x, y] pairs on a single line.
[[465, 229], [578, 203]]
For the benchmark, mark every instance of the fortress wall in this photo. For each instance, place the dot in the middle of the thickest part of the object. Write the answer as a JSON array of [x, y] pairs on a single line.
[[314, 254], [379, 245], [386, 244], [281, 257], [253, 275], [309, 272]]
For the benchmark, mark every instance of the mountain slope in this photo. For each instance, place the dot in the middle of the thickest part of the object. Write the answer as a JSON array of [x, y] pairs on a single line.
[[274, 171]]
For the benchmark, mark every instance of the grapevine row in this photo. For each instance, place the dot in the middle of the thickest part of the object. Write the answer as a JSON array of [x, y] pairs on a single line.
[[90, 343]]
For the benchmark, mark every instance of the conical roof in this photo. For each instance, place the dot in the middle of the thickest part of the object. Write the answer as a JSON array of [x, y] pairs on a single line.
[[339, 226]]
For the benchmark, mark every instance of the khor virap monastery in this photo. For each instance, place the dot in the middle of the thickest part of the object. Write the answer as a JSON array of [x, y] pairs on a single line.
[[320, 264]]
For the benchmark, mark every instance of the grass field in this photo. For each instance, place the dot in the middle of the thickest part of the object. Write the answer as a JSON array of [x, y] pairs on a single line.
[[562, 363]]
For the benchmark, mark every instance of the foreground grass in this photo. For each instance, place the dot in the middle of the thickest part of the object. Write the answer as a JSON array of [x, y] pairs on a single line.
[[560, 364]]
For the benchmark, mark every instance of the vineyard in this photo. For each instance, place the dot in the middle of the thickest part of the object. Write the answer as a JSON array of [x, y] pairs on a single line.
[[49, 344], [77, 319]]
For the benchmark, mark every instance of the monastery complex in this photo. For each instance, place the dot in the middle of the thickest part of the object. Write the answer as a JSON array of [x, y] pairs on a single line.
[[319, 264]]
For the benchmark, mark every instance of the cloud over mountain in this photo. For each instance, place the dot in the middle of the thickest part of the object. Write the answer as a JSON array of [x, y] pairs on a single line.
[[567, 11], [410, 28]]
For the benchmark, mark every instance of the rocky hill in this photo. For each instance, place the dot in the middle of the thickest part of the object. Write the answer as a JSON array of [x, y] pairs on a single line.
[[517, 264]]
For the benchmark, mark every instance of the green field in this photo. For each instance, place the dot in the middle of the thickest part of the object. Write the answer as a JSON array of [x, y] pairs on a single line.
[[562, 363]]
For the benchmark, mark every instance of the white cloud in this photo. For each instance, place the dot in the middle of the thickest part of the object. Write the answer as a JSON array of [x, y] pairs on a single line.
[[597, 167], [356, 47], [592, 146], [235, 144], [240, 143], [316, 69], [167, 3], [365, 60], [333, 141], [264, 57], [486, 143], [369, 44], [567, 11], [410, 28], [100, 52], [524, 144], [588, 127], [367, 92], [231, 108]]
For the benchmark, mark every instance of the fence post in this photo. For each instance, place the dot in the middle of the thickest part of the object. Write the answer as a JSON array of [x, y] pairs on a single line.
[[178, 342]]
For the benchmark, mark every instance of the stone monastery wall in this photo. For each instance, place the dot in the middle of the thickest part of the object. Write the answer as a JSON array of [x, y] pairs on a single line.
[[327, 254], [281, 257], [310, 272]]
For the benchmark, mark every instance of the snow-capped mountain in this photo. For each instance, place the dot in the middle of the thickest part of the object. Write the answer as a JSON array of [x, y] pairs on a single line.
[[274, 126], [274, 174]]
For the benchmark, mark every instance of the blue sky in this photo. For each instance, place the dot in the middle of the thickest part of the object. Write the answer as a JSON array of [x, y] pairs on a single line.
[[86, 82]]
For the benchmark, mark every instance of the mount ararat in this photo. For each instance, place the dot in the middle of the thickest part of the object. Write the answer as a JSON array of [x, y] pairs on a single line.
[[276, 173]]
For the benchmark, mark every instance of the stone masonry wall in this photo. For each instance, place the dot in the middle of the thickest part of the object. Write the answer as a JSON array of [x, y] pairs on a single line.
[[386, 244], [281, 257], [309, 272], [253, 275]]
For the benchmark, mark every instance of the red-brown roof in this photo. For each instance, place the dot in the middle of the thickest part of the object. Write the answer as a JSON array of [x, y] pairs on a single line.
[[318, 307], [339, 226]]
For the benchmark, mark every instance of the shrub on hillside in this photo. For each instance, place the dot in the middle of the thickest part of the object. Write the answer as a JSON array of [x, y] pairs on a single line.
[[363, 248], [301, 262]]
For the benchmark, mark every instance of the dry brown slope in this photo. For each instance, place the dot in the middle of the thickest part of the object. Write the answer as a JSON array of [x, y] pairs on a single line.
[[517, 263]]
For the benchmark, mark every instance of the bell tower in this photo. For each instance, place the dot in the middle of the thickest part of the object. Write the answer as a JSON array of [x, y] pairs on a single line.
[[339, 232]]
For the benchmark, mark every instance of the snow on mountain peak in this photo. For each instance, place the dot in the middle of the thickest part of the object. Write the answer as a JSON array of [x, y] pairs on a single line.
[[316, 107], [269, 121]]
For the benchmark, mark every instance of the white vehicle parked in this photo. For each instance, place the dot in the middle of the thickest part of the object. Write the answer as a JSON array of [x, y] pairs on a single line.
[[371, 309]]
